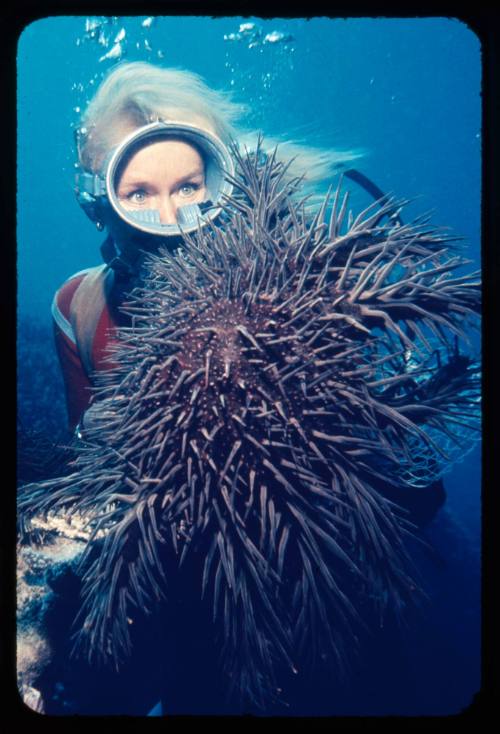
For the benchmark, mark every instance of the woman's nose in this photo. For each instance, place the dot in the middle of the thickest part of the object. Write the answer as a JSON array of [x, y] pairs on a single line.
[[168, 211]]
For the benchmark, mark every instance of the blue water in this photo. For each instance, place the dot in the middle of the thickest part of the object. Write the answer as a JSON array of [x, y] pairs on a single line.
[[404, 91]]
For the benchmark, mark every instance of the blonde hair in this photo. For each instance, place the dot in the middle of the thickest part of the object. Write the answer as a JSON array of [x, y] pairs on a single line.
[[137, 93]]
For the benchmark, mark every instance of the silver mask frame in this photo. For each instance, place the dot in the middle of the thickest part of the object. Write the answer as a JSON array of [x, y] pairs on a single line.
[[97, 191]]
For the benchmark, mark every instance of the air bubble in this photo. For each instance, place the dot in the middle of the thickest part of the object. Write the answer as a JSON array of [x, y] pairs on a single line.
[[115, 53], [278, 37], [246, 27]]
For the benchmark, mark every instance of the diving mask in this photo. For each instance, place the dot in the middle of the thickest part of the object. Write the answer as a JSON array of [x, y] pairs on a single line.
[[97, 193]]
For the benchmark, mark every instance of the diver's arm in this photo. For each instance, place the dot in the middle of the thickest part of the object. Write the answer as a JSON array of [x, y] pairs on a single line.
[[77, 384]]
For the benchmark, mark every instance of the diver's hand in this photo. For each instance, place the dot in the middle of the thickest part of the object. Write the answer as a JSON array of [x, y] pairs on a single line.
[[88, 422]]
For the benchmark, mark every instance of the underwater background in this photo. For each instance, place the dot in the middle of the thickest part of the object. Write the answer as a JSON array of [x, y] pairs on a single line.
[[405, 94]]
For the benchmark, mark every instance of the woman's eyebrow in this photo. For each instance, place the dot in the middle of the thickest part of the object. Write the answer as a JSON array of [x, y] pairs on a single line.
[[192, 174], [133, 183]]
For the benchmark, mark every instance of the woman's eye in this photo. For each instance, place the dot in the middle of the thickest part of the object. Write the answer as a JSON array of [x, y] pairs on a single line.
[[187, 189], [137, 197]]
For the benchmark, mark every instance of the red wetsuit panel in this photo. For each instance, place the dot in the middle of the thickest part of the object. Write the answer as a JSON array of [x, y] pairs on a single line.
[[76, 381]]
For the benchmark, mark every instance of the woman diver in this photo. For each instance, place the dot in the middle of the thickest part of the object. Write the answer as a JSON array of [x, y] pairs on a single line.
[[154, 150]]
